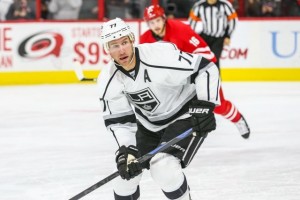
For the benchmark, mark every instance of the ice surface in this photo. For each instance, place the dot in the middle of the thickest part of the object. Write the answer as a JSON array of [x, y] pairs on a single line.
[[53, 145]]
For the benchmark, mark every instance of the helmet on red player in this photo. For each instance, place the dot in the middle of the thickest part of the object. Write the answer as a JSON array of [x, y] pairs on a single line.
[[153, 11]]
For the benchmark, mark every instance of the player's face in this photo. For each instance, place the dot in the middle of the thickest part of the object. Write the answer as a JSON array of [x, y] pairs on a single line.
[[121, 50], [157, 25]]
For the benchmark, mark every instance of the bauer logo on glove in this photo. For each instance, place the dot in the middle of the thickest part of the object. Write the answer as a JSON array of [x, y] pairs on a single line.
[[203, 118], [198, 110]]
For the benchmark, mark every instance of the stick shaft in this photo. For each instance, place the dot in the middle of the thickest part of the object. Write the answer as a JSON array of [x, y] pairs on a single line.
[[144, 158]]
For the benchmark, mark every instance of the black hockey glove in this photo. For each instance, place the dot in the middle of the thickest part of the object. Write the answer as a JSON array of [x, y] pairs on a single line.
[[127, 165], [203, 118]]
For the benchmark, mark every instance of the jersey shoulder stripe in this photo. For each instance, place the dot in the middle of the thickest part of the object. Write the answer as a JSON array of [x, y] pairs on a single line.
[[165, 67], [122, 119]]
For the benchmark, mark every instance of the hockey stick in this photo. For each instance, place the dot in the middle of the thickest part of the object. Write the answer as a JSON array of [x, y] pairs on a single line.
[[144, 158], [79, 73]]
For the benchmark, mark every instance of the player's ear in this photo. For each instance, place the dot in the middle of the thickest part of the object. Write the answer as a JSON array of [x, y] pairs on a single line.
[[131, 37]]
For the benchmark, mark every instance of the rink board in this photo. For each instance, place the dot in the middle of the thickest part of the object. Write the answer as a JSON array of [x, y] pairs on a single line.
[[51, 77], [45, 52]]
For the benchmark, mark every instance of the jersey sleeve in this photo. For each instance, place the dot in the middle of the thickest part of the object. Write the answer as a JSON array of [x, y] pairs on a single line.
[[204, 74], [194, 16], [232, 18], [193, 43], [142, 38], [207, 84], [206, 78], [146, 37], [117, 113]]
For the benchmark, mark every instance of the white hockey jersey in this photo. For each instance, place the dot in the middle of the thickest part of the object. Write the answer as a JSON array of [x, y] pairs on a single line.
[[157, 92]]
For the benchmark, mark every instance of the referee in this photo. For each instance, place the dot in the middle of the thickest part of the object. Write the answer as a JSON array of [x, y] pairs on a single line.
[[218, 20]]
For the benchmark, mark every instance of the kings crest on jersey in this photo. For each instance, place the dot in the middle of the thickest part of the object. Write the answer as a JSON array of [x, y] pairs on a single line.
[[159, 89]]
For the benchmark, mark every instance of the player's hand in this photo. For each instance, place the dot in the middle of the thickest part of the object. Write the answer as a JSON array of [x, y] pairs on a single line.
[[226, 41], [203, 118], [127, 164]]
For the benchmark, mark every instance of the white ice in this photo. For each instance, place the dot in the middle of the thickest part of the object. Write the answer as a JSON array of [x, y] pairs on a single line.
[[53, 145]]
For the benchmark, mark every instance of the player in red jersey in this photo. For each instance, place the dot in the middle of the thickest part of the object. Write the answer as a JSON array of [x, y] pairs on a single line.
[[173, 31], [163, 29]]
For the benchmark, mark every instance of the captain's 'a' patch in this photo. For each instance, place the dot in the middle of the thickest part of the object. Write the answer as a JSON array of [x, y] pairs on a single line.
[[144, 99]]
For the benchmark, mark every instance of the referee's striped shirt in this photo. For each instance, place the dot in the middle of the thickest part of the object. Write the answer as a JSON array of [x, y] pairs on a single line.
[[218, 20]]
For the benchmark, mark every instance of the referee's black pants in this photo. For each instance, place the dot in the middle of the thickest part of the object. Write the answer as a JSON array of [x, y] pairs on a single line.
[[215, 44]]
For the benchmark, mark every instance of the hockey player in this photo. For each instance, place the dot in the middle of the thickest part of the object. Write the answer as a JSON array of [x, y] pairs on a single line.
[[149, 94], [161, 28]]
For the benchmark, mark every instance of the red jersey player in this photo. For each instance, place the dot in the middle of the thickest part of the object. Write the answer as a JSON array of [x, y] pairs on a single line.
[[173, 31], [163, 29]]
